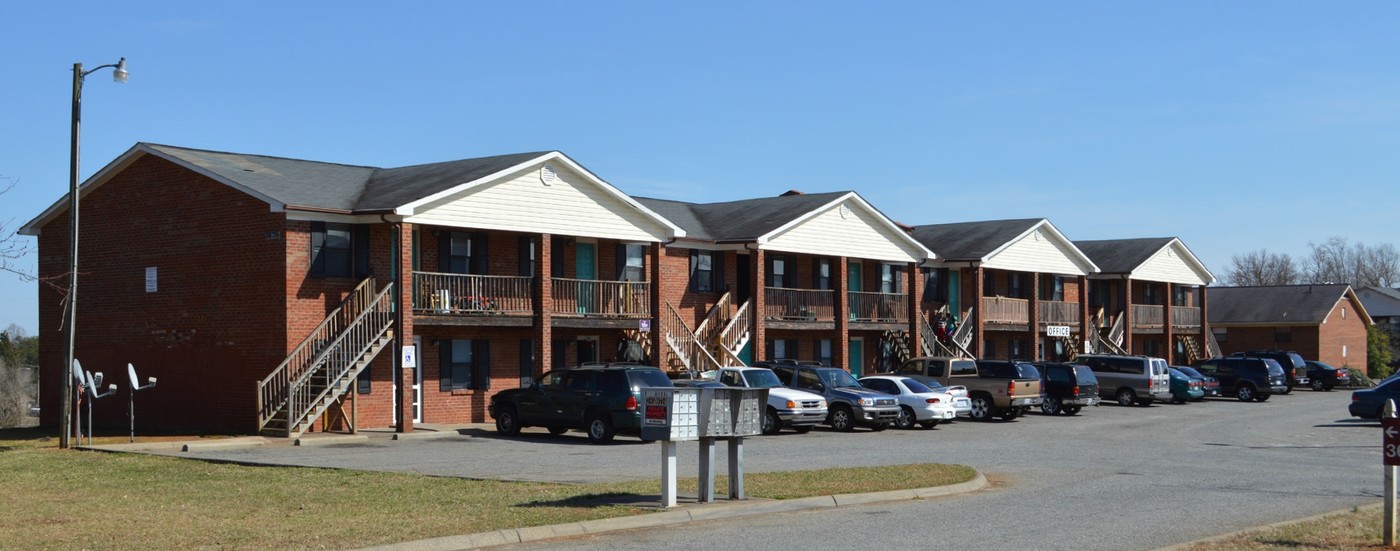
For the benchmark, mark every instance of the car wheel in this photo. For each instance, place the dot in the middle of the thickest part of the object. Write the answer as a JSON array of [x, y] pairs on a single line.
[[906, 418], [1261, 397], [1126, 397], [1071, 410], [771, 423], [600, 428], [981, 408], [803, 429], [1245, 393], [558, 430], [508, 422], [842, 419], [929, 424], [1010, 413], [1317, 385], [1051, 406]]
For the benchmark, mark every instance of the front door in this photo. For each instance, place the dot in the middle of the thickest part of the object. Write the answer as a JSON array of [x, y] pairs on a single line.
[[744, 273], [586, 270], [587, 350], [857, 348], [954, 294]]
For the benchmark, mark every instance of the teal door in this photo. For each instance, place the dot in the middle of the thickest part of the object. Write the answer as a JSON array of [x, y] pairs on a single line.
[[853, 282], [857, 347], [746, 353], [586, 270], [954, 294]]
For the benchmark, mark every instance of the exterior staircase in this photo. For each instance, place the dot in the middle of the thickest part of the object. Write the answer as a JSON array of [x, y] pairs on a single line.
[[957, 342], [1193, 349], [899, 341], [685, 353], [1212, 346], [322, 369], [1110, 340]]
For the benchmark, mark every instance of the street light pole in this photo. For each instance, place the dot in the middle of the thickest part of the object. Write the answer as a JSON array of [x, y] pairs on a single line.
[[119, 75]]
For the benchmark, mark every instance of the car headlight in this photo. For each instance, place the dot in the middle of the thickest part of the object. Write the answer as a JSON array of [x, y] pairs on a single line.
[[867, 402], [821, 404], [792, 405]]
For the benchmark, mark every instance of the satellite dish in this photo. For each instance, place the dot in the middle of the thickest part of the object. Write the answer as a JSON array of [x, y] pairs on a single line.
[[77, 372], [91, 386], [131, 374]]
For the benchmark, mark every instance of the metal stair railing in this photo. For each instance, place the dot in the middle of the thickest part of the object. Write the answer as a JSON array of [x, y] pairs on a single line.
[[346, 356], [274, 389]]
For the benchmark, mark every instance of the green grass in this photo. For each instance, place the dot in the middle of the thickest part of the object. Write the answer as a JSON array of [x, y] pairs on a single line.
[[1355, 530], [67, 499]]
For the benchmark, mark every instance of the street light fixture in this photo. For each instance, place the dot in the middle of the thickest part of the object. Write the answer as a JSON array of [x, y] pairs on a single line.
[[119, 75]]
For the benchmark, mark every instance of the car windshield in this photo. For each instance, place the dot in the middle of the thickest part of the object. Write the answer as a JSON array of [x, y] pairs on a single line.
[[838, 378], [1320, 365], [916, 387], [1176, 373], [1190, 372], [761, 378], [647, 377]]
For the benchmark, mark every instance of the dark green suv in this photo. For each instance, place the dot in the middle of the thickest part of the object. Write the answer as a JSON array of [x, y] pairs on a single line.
[[600, 399]]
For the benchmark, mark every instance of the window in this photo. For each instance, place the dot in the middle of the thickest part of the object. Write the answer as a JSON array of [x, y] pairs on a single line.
[[1150, 348], [989, 284], [1053, 288], [527, 362], [1016, 349], [1283, 334], [989, 350], [782, 349], [824, 354], [632, 262], [1017, 282], [1149, 295], [462, 253], [821, 270], [558, 360], [781, 272], [1220, 334], [527, 256], [1181, 295], [706, 271], [1344, 351], [890, 274], [464, 364], [331, 250], [1344, 313]]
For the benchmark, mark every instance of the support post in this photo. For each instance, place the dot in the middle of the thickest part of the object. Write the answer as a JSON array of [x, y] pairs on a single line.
[[736, 468], [707, 471], [1388, 532], [668, 473]]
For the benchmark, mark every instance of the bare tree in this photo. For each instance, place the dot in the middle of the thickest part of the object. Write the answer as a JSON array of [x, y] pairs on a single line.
[[12, 249], [1262, 267], [16, 380], [1339, 261]]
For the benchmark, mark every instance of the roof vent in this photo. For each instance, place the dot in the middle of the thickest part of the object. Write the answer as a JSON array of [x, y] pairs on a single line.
[[791, 192]]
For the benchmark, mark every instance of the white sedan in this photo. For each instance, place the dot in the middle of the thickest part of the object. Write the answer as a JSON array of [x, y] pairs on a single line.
[[917, 402]]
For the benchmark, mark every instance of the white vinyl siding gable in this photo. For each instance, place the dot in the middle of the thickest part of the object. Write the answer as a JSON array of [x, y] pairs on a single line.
[[1038, 251], [521, 202], [1170, 265], [859, 234]]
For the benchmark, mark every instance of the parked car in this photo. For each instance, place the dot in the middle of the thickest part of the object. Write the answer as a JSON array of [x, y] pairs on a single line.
[[1369, 403], [999, 388], [1209, 385], [917, 402], [848, 403], [1295, 368], [1130, 380], [601, 399], [962, 406], [795, 409], [1184, 387], [1325, 377], [1067, 388], [1246, 378]]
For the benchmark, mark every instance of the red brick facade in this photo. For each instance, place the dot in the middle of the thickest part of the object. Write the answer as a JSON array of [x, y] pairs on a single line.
[[1340, 341]]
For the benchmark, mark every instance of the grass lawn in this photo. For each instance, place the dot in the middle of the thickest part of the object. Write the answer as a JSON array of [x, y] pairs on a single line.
[[66, 499], [1356, 530]]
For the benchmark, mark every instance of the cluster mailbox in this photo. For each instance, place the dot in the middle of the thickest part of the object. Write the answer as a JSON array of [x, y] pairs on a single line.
[[683, 414]]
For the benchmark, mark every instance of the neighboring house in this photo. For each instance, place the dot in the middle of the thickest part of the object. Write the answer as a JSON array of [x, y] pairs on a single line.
[[263, 291], [1383, 304], [821, 277], [1015, 287], [1320, 322], [1139, 282]]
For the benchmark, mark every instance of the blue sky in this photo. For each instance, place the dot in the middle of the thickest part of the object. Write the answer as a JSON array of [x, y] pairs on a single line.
[[1233, 125]]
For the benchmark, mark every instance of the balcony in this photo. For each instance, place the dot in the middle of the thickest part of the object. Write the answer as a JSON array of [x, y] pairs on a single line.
[[1006, 311], [799, 304], [1055, 312], [471, 295], [588, 298], [1148, 317], [1186, 317], [879, 307]]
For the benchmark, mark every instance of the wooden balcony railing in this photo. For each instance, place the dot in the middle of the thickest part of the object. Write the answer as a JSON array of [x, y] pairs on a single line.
[[463, 294], [1148, 315], [1006, 310], [799, 304], [1186, 316], [1055, 312], [607, 299], [889, 307]]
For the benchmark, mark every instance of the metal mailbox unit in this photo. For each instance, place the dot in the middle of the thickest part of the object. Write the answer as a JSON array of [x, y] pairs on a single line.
[[672, 415]]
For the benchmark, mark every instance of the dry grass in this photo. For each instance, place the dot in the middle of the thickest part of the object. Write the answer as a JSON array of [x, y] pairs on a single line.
[[74, 499], [1357, 530]]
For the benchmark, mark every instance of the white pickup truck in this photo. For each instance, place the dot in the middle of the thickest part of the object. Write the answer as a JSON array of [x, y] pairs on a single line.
[[796, 409]]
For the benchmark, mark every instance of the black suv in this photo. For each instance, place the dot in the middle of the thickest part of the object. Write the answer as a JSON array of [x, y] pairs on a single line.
[[1247, 378], [1295, 368], [1067, 388], [599, 398]]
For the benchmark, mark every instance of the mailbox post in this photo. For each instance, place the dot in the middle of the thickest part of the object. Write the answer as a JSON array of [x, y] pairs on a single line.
[[674, 415]]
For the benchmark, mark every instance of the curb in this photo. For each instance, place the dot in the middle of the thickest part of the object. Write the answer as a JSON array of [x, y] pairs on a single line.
[[427, 435], [1256, 529], [678, 516], [328, 440]]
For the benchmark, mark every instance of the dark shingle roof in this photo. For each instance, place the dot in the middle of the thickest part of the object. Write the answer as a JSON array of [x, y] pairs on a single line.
[[738, 221], [1121, 256], [971, 240], [313, 184], [1380, 301], [1284, 304]]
